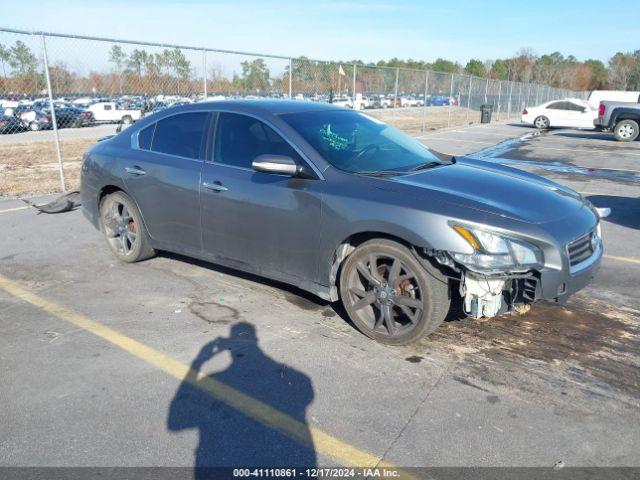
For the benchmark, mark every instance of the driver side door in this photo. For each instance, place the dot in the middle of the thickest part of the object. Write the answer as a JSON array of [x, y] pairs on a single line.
[[259, 222]]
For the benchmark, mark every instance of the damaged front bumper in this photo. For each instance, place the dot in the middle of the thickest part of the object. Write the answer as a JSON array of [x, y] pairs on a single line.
[[490, 295]]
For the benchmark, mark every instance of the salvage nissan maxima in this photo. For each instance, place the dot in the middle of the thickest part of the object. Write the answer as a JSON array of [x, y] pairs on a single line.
[[341, 205]]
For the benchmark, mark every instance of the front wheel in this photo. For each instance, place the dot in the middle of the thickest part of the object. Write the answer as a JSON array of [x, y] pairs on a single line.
[[389, 295], [541, 122], [626, 130], [127, 120], [122, 226]]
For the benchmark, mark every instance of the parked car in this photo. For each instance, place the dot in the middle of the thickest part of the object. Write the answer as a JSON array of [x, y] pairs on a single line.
[[108, 112], [570, 112], [408, 101], [621, 118], [10, 124], [35, 119], [393, 101], [343, 102], [72, 117], [379, 101], [343, 206], [438, 101]]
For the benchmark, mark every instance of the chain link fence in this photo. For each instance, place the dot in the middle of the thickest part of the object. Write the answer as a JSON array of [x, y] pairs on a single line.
[[60, 93]]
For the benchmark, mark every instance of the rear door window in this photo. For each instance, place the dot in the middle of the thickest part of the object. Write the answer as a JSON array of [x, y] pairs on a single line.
[[180, 135], [560, 106]]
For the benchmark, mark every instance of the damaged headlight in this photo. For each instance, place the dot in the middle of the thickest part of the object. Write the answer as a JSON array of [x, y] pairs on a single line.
[[495, 252]]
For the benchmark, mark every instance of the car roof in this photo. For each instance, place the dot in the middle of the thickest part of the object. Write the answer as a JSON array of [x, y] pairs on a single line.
[[266, 106]]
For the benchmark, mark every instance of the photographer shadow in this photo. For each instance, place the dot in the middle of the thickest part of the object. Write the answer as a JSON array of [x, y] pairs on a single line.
[[228, 437]]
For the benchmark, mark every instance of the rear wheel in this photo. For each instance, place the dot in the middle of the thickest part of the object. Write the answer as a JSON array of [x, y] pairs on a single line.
[[121, 223], [127, 120], [34, 126], [541, 122], [626, 130], [389, 295]]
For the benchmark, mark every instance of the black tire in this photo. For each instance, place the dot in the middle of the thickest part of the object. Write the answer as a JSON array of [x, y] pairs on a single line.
[[414, 296], [541, 122], [124, 231], [34, 126], [127, 120], [626, 130]]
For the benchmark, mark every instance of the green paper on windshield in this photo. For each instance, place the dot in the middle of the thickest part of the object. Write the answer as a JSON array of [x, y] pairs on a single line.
[[334, 140]]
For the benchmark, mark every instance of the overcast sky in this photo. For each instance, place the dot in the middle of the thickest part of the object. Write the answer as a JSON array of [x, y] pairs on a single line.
[[368, 30]]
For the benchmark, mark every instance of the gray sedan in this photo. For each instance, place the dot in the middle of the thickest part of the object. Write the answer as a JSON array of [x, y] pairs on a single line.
[[343, 206]]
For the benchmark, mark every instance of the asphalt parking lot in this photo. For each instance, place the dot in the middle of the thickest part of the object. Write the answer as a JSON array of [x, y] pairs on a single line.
[[179, 362]]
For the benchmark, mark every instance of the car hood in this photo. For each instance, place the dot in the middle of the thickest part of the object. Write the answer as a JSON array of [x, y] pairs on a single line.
[[498, 190]]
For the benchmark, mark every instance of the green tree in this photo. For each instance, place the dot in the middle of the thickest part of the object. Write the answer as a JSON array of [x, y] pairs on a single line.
[[255, 75], [137, 61], [499, 70], [447, 66], [180, 66], [179, 63], [5, 55], [24, 65], [599, 72], [119, 59], [22, 59], [475, 67]]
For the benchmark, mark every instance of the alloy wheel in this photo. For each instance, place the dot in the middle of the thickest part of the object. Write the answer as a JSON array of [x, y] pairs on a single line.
[[541, 122], [385, 295], [120, 226]]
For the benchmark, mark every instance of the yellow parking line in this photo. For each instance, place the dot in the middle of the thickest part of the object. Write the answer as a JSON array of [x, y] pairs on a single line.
[[14, 209], [623, 259], [321, 441]]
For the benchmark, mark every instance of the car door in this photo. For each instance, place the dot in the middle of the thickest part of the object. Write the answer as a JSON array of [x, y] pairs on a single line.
[[559, 114], [163, 175], [583, 113], [264, 223]]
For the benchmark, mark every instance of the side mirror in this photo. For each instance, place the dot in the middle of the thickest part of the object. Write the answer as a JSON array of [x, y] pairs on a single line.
[[275, 164]]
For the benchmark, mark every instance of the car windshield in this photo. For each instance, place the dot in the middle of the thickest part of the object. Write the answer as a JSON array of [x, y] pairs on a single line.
[[358, 143]]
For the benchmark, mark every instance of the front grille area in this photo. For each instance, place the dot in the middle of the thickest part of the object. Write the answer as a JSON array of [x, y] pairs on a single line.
[[580, 249]]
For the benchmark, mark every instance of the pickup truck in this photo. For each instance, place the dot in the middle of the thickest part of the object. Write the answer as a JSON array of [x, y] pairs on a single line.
[[108, 112], [621, 118]]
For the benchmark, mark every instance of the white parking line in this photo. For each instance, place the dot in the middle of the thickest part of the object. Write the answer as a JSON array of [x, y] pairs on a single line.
[[14, 209]]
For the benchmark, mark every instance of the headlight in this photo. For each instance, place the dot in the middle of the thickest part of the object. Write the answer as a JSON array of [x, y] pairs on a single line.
[[494, 252]]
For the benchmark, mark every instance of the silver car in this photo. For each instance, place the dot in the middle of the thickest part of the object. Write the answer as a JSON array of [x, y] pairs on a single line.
[[343, 206]]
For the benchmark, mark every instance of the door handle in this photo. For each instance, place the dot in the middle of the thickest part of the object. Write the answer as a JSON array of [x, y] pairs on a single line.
[[215, 186], [135, 171]]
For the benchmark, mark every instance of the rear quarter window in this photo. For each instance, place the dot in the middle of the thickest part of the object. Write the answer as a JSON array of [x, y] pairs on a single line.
[[145, 136]]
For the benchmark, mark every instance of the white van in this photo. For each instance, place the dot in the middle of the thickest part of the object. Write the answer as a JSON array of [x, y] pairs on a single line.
[[597, 96]]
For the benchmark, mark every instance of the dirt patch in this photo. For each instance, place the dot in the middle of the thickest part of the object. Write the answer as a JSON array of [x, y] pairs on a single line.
[[31, 168], [415, 120], [587, 347], [212, 312]]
